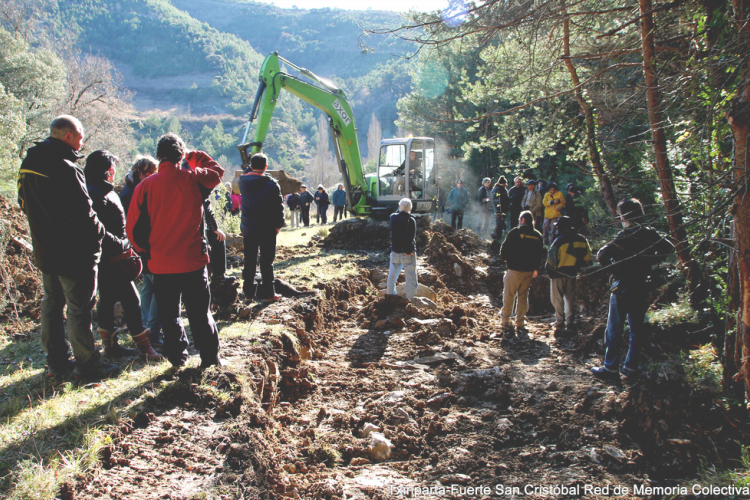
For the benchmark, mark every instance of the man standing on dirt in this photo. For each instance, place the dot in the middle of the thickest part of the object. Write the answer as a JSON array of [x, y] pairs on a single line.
[[532, 201], [338, 199], [567, 255], [305, 199], [458, 198], [501, 203], [629, 258], [516, 197], [403, 250], [67, 238], [523, 252], [486, 207], [165, 221], [262, 219]]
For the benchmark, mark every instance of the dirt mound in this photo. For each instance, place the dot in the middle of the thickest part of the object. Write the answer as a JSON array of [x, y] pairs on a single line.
[[466, 241], [21, 280], [359, 234]]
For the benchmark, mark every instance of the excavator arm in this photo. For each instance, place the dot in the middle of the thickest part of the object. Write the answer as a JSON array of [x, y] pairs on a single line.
[[330, 100]]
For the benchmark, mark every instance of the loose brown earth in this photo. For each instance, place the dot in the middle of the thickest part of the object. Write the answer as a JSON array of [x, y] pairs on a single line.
[[461, 405]]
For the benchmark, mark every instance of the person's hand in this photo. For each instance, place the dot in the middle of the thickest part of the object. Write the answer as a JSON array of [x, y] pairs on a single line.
[[278, 230], [220, 235], [536, 273]]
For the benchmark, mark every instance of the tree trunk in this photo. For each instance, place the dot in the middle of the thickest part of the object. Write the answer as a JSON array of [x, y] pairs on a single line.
[[669, 195], [605, 185]]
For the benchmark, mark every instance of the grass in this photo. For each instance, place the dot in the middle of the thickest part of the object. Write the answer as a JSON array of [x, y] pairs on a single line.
[[674, 314], [700, 368]]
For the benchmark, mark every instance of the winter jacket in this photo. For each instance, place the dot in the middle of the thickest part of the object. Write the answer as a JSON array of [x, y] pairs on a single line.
[[165, 219], [500, 200], [321, 199], [438, 195], [482, 194], [126, 193], [304, 199], [65, 230], [292, 201], [533, 200], [516, 196], [262, 204], [403, 233], [108, 208], [458, 198], [523, 249], [552, 209], [338, 198], [631, 254], [567, 255]]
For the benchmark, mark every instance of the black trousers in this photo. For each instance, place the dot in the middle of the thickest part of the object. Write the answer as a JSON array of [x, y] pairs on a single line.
[[305, 215], [457, 218], [218, 255], [265, 242], [114, 287], [323, 214], [499, 226], [338, 212], [515, 212], [191, 289]]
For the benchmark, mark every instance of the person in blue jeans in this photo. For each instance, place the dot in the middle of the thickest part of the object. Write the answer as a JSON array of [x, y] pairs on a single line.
[[403, 250], [629, 258], [458, 198]]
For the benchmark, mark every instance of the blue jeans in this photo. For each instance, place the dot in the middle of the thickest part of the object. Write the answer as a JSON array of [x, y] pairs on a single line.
[[633, 306], [149, 311], [409, 264], [78, 293]]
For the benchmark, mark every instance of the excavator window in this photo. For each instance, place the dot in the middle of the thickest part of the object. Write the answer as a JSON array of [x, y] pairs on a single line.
[[392, 171]]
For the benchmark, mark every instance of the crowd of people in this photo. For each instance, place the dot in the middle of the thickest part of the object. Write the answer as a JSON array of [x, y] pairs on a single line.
[[87, 238]]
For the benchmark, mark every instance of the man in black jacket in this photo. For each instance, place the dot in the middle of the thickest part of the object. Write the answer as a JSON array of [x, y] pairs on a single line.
[[515, 194], [67, 238], [486, 207], [629, 258], [262, 219], [523, 252], [403, 250], [305, 199]]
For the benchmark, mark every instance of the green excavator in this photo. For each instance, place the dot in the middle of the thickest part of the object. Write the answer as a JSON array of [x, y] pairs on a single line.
[[407, 167]]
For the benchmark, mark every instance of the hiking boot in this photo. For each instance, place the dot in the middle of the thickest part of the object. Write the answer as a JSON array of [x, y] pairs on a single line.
[[157, 342], [214, 362], [605, 373], [508, 330], [273, 299], [111, 348], [629, 374], [144, 346], [60, 370], [95, 371], [559, 330]]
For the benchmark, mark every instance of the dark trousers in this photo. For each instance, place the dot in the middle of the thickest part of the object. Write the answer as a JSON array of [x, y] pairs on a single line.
[[515, 212], [191, 289], [499, 226], [218, 255], [323, 214], [338, 212], [114, 287], [265, 242], [457, 218], [305, 211]]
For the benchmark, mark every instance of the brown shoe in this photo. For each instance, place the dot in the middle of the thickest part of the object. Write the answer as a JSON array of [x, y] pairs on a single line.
[[144, 346], [111, 348]]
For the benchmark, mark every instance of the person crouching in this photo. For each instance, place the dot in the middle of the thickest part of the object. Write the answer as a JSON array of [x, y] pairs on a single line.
[[403, 249]]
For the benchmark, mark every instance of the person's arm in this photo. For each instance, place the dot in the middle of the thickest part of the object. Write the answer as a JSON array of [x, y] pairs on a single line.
[[207, 171], [277, 201], [138, 225], [552, 258]]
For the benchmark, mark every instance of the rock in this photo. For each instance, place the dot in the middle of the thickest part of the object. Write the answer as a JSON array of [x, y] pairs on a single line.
[[393, 397], [422, 291], [369, 429], [445, 328], [457, 269], [380, 325], [552, 386], [422, 303], [380, 447], [615, 453], [441, 357], [455, 478], [411, 310], [504, 424], [359, 461]]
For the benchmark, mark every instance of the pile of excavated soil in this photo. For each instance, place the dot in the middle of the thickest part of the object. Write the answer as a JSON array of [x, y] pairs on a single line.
[[21, 280]]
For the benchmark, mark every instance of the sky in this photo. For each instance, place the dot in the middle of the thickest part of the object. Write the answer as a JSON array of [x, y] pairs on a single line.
[[394, 5]]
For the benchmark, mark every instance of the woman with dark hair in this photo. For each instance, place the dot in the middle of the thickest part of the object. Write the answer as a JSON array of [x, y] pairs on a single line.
[[114, 286], [142, 168]]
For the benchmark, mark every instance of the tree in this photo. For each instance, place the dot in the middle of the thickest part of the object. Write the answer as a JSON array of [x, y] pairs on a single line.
[[321, 170], [374, 136]]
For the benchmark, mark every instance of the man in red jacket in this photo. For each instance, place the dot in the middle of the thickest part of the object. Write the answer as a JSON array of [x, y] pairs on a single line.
[[165, 221]]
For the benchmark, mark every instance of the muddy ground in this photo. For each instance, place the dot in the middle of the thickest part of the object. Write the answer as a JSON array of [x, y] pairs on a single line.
[[345, 394]]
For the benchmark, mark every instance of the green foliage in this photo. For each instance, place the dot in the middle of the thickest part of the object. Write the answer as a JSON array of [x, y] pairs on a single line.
[[676, 313]]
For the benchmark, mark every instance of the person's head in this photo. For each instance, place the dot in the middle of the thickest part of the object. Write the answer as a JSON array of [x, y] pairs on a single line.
[[486, 181], [412, 155], [340, 187], [526, 219], [68, 129], [143, 167], [303, 188], [100, 167], [321, 188], [630, 211], [552, 188], [228, 186], [517, 181], [170, 148], [531, 185], [502, 181], [459, 183], [259, 162], [564, 224], [405, 205], [541, 184]]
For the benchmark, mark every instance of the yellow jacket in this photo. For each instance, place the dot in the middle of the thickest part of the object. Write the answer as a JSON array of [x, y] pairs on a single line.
[[552, 210]]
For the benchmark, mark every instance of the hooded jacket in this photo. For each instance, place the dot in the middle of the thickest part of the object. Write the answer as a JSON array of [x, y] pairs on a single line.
[[458, 198], [109, 209], [262, 204], [65, 230], [338, 198], [631, 254], [552, 210], [500, 199], [165, 219]]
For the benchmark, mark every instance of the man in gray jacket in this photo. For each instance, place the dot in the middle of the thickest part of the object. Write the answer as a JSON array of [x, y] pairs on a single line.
[[532, 201]]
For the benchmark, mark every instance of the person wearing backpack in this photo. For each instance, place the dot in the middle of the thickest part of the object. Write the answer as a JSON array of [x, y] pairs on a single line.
[[293, 202]]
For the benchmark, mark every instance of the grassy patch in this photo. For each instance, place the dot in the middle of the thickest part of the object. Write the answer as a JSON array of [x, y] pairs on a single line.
[[700, 368], [674, 314]]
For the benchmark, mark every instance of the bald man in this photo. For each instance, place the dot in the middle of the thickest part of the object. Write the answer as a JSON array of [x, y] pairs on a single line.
[[67, 237]]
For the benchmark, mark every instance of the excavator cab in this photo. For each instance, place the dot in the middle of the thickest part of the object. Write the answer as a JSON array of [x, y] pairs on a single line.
[[406, 169]]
